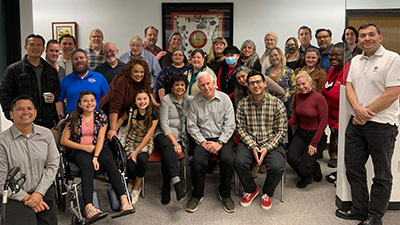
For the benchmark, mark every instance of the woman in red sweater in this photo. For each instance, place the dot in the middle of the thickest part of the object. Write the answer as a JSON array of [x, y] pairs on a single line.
[[311, 114], [339, 58]]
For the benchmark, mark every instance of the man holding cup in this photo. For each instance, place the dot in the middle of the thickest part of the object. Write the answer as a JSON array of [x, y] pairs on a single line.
[[34, 77]]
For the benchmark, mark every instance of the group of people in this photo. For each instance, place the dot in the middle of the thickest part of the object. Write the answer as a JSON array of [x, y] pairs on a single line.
[[228, 104]]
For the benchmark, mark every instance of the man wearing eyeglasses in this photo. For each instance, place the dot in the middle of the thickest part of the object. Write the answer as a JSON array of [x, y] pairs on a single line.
[[137, 50], [95, 48], [261, 125], [324, 40], [112, 66]]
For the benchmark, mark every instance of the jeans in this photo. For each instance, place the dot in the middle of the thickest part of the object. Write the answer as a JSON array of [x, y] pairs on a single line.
[[139, 168], [298, 157], [274, 160], [169, 158], [106, 160], [200, 161], [376, 140]]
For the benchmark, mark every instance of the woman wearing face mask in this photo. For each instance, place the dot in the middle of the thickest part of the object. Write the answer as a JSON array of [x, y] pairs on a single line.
[[216, 55], [270, 40], [225, 80], [198, 65], [292, 53], [249, 56], [350, 37], [310, 64]]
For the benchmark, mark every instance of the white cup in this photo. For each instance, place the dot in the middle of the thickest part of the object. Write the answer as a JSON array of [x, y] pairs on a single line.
[[46, 95]]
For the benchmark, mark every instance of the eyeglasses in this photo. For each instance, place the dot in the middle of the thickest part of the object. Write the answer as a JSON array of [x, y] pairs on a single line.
[[252, 83], [323, 36]]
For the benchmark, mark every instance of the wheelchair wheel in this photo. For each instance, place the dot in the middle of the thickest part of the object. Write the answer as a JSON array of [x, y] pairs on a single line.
[[75, 221], [61, 189]]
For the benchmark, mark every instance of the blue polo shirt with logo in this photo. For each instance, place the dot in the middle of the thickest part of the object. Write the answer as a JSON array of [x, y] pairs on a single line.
[[72, 85]]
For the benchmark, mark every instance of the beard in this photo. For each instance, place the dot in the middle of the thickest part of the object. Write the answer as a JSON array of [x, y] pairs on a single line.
[[80, 70], [111, 59]]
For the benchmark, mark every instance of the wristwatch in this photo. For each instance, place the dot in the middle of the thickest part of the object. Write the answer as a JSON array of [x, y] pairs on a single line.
[[220, 142]]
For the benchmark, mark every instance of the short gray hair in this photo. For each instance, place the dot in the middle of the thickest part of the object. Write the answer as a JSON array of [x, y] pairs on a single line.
[[136, 38], [203, 74]]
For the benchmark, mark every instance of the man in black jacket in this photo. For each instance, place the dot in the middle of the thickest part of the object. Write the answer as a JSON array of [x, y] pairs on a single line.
[[34, 77]]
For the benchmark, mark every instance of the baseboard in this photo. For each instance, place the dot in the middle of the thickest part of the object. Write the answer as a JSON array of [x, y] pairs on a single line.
[[345, 205]]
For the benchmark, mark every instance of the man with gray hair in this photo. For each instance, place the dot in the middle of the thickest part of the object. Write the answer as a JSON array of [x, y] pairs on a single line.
[[112, 66], [95, 48], [211, 122], [136, 50]]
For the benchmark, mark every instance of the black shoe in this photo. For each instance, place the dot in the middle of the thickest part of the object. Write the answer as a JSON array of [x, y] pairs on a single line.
[[179, 190], [166, 193], [331, 178], [317, 174], [348, 215], [303, 183], [371, 221], [332, 163]]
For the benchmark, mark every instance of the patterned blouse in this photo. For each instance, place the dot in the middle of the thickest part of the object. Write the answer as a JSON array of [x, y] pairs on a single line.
[[100, 120], [137, 132], [285, 79], [165, 74]]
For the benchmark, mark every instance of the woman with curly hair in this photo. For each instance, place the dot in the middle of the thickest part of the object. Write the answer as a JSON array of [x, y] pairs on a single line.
[[133, 77], [249, 56]]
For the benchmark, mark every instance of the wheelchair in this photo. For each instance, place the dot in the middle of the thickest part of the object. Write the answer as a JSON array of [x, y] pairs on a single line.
[[68, 191]]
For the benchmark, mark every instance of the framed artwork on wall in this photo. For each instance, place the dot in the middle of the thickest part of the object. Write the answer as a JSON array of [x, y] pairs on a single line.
[[198, 23], [61, 28]]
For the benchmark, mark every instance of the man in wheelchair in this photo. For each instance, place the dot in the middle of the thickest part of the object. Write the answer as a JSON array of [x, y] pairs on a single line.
[[83, 136], [31, 148]]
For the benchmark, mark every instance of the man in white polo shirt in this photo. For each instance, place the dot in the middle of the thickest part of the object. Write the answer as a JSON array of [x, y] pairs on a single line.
[[373, 89]]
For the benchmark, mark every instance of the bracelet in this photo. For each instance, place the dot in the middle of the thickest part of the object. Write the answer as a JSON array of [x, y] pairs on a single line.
[[177, 144], [96, 156]]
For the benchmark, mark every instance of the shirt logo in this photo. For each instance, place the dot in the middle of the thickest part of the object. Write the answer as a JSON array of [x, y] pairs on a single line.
[[375, 69], [92, 80]]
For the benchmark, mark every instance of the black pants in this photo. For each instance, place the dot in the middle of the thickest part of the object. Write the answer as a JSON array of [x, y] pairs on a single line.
[[200, 161], [106, 160], [377, 140], [139, 168], [169, 158], [298, 157], [274, 161], [17, 213]]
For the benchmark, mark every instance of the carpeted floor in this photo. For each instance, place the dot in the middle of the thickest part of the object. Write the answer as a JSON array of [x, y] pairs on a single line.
[[312, 205]]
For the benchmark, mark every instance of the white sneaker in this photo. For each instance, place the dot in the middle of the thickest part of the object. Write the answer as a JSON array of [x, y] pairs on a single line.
[[135, 195]]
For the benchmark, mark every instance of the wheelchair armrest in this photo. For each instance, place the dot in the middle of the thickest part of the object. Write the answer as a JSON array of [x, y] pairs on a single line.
[[119, 150]]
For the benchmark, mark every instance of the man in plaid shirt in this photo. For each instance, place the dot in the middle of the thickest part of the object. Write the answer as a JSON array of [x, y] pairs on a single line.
[[95, 52], [262, 125]]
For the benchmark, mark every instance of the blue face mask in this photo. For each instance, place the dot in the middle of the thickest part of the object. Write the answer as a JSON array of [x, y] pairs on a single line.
[[230, 60]]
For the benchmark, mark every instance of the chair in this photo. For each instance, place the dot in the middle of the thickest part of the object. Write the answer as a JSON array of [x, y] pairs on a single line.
[[155, 157]]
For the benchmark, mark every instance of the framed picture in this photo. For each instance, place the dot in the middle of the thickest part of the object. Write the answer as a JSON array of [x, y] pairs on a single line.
[[198, 23], [61, 28]]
